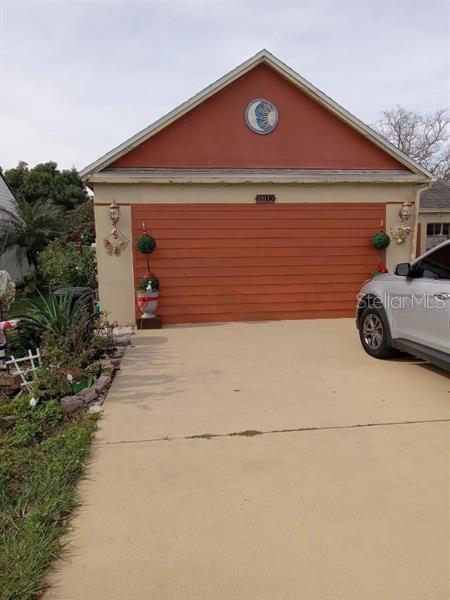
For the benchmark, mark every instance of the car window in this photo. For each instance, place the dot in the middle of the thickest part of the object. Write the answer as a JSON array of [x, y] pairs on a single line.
[[434, 266]]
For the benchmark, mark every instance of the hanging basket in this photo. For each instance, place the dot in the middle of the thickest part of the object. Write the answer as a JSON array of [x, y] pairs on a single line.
[[380, 240], [146, 244]]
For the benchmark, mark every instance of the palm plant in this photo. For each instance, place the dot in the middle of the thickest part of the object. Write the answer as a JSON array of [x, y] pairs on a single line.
[[57, 315], [29, 226]]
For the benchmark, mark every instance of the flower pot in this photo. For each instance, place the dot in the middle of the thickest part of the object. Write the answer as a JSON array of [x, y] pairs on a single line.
[[147, 302]]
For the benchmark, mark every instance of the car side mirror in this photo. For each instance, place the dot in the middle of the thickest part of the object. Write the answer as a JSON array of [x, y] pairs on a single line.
[[403, 270]]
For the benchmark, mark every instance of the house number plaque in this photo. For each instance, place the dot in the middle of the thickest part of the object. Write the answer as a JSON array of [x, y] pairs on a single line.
[[265, 198]]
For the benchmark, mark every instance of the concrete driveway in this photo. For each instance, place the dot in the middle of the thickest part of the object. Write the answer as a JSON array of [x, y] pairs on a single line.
[[265, 461]]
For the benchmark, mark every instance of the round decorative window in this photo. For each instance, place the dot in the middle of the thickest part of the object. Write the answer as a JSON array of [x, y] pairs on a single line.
[[261, 116]]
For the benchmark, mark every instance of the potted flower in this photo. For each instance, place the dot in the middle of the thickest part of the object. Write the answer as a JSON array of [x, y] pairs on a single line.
[[148, 292], [147, 295]]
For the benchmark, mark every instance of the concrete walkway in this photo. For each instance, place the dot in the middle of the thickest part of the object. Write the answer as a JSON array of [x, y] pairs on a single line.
[[343, 494]]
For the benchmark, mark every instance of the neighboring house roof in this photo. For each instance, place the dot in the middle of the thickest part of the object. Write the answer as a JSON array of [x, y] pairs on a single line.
[[436, 198], [262, 57], [8, 201], [9, 215]]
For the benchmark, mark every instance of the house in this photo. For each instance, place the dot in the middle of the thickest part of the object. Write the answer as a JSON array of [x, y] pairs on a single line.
[[12, 260], [434, 215], [262, 194]]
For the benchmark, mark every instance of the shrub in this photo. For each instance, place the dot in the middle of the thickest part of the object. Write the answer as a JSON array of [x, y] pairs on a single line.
[[59, 315], [30, 283], [67, 264]]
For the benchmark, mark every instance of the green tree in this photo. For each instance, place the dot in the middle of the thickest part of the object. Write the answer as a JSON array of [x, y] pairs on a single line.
[[80, 221], [29, 226], [67, 264], [46, 182]]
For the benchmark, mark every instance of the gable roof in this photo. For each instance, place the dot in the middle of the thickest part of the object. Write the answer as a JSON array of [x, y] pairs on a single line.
[[436, 198], [264, 56]]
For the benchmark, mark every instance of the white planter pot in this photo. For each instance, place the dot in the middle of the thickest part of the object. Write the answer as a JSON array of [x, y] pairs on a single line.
[[147, 303]]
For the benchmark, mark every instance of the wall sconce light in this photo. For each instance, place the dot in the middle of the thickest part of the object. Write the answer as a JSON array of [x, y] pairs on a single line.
[[406, 211], [118, 242], [401, 233], [114, 213]]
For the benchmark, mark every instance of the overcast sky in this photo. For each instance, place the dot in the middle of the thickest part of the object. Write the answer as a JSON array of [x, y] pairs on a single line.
[[78, 78]]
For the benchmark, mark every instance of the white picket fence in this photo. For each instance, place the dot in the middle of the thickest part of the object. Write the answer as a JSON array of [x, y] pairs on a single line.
[[22, 369]]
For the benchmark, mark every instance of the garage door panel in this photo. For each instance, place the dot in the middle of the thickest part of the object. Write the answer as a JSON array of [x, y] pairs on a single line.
[[308, 240], [255, 307], [255, 289], [253, 212], [278, 298], [184, 253], [255, 280], [251, 262], [259, 261], [269, 232], [263, 271], [272, 315], [298, 222]]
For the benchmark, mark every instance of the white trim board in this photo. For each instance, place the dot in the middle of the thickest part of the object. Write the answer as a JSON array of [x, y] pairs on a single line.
[[210, 176], [264, 56]]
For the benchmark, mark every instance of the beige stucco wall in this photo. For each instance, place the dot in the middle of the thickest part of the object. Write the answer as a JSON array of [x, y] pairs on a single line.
[[397, 253], [116, 272], [145, 193], [430, 217]]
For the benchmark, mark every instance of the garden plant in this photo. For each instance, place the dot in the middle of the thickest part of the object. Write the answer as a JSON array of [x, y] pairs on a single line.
[[43, 449]]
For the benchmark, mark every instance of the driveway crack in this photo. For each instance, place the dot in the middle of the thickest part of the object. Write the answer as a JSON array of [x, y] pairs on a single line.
[[255, 432]]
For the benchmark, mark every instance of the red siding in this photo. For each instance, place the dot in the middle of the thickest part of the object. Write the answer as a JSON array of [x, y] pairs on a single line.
[[235, 262], [214, 134]]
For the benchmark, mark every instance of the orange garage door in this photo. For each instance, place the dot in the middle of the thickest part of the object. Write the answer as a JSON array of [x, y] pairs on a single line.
[[235, 262]]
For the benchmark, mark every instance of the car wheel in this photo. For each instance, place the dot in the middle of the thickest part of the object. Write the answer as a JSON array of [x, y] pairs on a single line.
[[374, 333]]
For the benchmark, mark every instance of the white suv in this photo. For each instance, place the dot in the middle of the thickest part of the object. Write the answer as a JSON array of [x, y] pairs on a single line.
[[409, 310]]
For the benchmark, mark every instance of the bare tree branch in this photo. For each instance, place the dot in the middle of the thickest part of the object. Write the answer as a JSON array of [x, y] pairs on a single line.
[[422, 136]]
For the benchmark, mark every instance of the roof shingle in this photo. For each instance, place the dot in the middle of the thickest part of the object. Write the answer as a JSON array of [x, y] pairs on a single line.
[[436, 197]]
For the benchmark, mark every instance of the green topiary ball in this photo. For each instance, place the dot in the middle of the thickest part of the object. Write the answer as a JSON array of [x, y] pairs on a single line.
[[381, 240], [146, 244]]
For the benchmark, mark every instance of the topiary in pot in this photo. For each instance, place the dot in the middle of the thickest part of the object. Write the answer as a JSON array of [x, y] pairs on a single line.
[[146, 244], [380, 240], [149, 282], [148, 292]]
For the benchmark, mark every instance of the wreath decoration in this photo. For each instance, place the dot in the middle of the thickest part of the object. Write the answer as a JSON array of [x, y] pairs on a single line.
[[400, 233]]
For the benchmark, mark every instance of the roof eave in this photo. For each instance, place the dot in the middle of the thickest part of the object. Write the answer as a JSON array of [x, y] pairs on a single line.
[[441, 210], [210, 176]]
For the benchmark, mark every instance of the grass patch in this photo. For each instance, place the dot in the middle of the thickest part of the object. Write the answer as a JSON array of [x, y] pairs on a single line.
[[41, 459]]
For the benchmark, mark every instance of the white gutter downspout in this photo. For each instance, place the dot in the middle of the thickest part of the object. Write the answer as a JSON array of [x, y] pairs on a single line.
[[419, 191]]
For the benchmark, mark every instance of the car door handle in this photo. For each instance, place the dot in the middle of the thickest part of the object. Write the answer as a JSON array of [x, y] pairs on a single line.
[[442, 296]]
